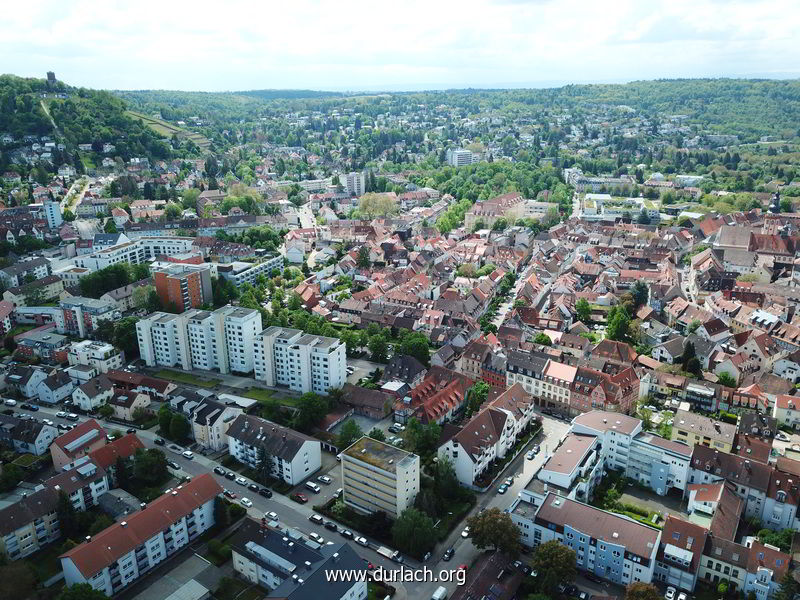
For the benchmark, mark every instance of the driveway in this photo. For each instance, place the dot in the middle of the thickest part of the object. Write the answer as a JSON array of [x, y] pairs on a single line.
[[668, 504]]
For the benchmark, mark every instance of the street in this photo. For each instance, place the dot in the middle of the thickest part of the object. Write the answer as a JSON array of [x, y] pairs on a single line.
[[505, 307]]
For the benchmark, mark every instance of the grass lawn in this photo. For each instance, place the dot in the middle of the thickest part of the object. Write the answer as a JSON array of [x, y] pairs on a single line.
[[20, 329], [263, 395], [188, 378], [26, 460]]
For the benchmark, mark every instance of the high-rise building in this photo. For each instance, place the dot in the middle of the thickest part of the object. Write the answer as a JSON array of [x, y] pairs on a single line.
[[221, 340], [459, 157], [52, 212], [377, 476], [302, 362], [353, 183], [183, 286]]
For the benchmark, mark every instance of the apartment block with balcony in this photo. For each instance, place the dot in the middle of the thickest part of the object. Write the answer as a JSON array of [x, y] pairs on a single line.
[[240, 328], [301, 362], [83, 481], [379, 477], [163, 340], [29, 524], [119, 555], [183, 286]]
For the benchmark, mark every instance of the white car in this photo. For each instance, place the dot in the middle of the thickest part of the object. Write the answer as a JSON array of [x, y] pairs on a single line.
[[61, 414], [361, 541], [671, 591], [682, 596], [241, 481], [465, 532], [48, 422], [188, 454], [271, 516], [324, 479], [316, 537], [246, 502]]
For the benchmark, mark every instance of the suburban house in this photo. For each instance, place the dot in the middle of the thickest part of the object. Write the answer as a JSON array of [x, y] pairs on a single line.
[[210, 422], [82, 440]]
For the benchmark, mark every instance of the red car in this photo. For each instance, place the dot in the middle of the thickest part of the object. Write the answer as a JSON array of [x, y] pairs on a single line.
[[229, 494], [298, 497]]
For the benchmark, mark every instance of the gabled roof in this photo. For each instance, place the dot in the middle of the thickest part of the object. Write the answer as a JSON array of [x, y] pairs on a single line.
[[276, 440], [80, 433], [123, 447], [27, 510], [113, 543]]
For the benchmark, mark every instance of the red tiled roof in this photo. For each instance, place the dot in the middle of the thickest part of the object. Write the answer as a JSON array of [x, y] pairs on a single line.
[[116, 541], [123, 447], [85, 427]]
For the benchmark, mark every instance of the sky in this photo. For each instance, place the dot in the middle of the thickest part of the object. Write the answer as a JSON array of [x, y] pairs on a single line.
[[379, 45]]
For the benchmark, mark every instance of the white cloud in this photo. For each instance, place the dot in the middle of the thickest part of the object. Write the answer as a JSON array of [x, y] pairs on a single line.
[[406, 44]]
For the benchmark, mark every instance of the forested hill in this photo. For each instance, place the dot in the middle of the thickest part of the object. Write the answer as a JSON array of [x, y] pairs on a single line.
[[81, 116]]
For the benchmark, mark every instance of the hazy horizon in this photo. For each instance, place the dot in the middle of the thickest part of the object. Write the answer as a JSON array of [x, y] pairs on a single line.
[[367, 46]]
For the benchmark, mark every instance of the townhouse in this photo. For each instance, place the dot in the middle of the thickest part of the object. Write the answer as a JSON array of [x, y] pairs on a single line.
[[210, 422], [293, 456], [379, 477], [301, 362], [93, 394], [78, 442], [126, 404], [119, 555], [26, 435], [691, 428], [83, 481]]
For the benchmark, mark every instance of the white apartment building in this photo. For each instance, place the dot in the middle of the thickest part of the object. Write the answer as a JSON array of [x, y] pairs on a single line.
[[377, 476], [241, 326], [52, 212], [100, 355], [293, 455], [457, 157], [117, 556], [239, 272], [163, 340], [82, 481], [302, 362], [353, 183], [134, 252], [221, 340]]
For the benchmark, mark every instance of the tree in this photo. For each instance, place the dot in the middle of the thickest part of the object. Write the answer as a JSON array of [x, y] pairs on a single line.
[[100, 523], [424, 439], [413, 532], [556, 564], [67, 516], [222, 515], [493, 528], [693, 326], [377, 205], [647, 418], [295, 302], [583, 310], [640, 293], [639, 590], [363, 260], [378, 348], [542, 339], [164, 419], [179, 427], [476, 396], [141, 296], [788, 589], [349, 433], [726, 379], [265, 464], [110, 226], [125, 337], [445, 480], [311, 410], [105, 411], [618, 321], [122, 472], [377, 434], [415, 344], [150, 466]]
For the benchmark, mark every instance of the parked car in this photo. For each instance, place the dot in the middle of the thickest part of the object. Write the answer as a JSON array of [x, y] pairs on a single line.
[[502, 489], [316, 537], [219, 470], [346, 534], [253, 487], [530, 454], [313, 487], [324, 479], [331, 526], [188, 454], [671, 591], [267, 493], [230, 475], [315, 518], [448, 554], [33, 407], [361, 541], [509, 481], [48, 422], [299, 498], [338, 493], [682, 596], [536, 449], [241, 481], [592, 577], [9, 402], [72, 417], [465, 532], [173, 464], [271, 516], [229, 494], [246, 502], [159, 442], [781, 436], [131, 430], [63, 427]]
